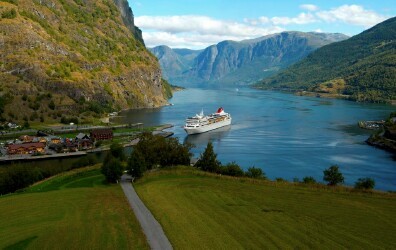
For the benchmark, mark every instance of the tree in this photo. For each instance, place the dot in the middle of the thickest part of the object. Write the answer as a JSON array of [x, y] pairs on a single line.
[[333, 176], [51, 105], [365, 183], [26, 125], [160, 151], [208, 160], [254, 172], [136, 164], [309, 180], [112, 169], [117, 150]]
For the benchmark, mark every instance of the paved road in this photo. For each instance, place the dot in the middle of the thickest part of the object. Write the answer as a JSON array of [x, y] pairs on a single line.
[[151, 228]]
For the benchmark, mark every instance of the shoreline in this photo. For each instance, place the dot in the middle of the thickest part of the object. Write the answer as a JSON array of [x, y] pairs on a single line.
[[10, 158]]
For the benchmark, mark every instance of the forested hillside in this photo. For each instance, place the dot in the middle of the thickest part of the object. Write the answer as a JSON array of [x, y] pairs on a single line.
[[363, 67]]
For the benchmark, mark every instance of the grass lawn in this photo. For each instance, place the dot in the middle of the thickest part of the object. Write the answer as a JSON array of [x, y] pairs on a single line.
[[202, 211], [75, 210]]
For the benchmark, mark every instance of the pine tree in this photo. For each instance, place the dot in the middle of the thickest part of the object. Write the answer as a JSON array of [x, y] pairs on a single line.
[[208, 160], [333, 176]]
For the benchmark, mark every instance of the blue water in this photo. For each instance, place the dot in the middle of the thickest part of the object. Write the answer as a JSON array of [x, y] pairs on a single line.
[[287, 136]]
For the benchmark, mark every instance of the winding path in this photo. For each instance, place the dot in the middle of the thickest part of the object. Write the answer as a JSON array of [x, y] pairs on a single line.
[[151, 228]]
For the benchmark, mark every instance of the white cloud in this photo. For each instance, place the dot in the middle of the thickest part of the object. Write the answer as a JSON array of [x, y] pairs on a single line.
[[197, 31], [302, 18], [309, 7], [351, 14], [199, 24]]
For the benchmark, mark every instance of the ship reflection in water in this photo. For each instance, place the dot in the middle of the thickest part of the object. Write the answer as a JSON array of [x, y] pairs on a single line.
[[204, 138]]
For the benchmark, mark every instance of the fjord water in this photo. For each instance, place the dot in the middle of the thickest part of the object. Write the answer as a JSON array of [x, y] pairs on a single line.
[[287, 136]]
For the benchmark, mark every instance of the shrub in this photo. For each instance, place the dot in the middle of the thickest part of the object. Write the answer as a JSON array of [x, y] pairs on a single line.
[[309, 180], [26, 125], [278, 179], [365, 183], [232, 169], [90, 160], [9, 14], [254, 172], [333, 176]]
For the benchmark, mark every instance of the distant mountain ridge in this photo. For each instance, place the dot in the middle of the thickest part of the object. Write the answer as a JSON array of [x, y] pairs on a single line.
[[362, 68], [174, 62], [244, 62]]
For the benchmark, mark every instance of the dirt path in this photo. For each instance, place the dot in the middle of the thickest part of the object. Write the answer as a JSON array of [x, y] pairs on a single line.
[[151, 228]]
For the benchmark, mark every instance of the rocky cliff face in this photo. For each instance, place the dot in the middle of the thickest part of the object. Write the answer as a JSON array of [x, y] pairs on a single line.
[[86, 56], [128, 18], [251, 60]]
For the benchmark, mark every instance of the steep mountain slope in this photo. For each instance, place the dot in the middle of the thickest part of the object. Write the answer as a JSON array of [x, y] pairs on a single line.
[[174, 62], [362, 67], [250, 60], [66, 57]]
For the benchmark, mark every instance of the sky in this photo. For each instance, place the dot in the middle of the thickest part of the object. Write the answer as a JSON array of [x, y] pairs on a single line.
[[196, 24]]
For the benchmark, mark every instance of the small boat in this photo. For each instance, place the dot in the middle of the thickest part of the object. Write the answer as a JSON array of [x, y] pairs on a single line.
[[201, 123]]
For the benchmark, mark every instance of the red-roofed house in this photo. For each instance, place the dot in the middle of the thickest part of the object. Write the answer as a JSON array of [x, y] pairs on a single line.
[[26, 148], [101, 134]]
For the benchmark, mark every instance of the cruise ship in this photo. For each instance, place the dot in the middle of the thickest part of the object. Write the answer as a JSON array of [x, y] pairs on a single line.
[[201, 123]]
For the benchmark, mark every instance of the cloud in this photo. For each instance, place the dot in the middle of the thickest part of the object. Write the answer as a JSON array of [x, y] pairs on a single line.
[[309, 7], [351, 14], [197, 31], [302, 18], [199, 24]]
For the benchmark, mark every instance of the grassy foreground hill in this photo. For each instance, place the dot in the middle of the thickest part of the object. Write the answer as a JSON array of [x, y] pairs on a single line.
[[72, 211], [73, 57], [202, 211], [363, 67]]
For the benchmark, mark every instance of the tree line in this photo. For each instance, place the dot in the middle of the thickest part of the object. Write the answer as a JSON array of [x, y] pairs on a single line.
[[152, 152], [17, 176], [157, 152]]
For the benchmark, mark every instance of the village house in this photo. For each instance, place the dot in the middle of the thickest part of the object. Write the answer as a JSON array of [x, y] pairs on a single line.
[[101, 134], [55, 139], [70, 146], [26, 148], [83, 141], [26, 138]]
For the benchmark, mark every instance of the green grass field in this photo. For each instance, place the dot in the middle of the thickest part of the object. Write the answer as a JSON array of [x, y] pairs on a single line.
[[75, 210], [203, 211]]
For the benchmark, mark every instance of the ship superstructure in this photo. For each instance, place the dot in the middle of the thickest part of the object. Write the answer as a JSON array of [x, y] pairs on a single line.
[[201, 123]]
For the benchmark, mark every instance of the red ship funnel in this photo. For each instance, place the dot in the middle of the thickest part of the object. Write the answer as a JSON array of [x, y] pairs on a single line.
[[219, 110]]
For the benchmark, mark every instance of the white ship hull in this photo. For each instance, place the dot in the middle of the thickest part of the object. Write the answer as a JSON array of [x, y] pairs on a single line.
[[207, 127]]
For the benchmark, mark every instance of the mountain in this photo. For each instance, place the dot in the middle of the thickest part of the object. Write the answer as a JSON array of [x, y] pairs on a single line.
[[243, 62], [174, 62], [73, 57], [362, 68]]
